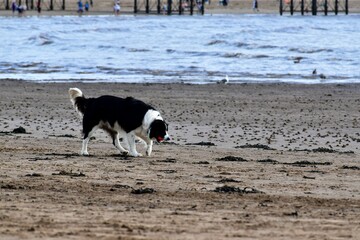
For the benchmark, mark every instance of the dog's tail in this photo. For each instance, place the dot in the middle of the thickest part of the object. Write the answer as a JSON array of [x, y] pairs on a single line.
[[78, 100]]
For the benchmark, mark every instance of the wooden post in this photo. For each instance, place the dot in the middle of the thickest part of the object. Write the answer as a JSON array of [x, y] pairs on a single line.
[[63, 5], [325, 7], [180, 7], [281, 7], [291, 7], [7, 7], [51, 5], [147, 8], [135, 6], [346, 7], [302, 7], [158, 7], [169, 7], [32, 4], [191, 7], [336, 7], [314, 7], [202, 7]]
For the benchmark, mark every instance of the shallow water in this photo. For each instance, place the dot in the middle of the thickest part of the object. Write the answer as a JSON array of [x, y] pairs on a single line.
[[194, 49]]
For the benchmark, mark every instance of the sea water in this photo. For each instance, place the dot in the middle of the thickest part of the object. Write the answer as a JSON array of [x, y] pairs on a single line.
[[188, 49]]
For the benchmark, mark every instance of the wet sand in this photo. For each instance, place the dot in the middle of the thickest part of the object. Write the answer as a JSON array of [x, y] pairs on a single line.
[[249, 161]]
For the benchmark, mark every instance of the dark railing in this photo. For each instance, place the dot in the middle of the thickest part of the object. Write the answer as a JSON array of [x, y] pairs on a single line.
[[314, 6]]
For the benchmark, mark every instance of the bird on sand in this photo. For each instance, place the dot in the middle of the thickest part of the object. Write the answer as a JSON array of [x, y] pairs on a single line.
[[314, 72], [224, 81]]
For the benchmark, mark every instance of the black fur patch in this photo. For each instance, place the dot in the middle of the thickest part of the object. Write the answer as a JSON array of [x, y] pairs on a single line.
[[128, 112]]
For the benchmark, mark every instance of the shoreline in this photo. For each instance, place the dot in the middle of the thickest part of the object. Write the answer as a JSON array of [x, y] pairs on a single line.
[[232, 83], [7, 13], [32, 13]]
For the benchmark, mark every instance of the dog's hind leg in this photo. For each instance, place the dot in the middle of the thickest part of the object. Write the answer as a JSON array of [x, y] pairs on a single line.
[[86, 139], [84, 146], [117, 144]]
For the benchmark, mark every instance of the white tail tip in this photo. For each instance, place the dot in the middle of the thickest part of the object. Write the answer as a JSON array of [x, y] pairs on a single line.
[[74, 93]]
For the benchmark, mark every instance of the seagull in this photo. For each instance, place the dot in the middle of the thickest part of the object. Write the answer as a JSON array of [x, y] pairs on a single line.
[[224, 81], [314, 72], [297, 59]]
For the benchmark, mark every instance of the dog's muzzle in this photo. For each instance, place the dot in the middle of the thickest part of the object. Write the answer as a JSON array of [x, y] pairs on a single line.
[[160, 139]]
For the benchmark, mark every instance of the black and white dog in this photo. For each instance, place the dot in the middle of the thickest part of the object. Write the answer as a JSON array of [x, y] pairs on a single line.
[[127, 117]]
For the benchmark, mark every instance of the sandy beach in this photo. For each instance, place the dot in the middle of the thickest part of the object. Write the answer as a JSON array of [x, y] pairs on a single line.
[[211, 7], [246, 161]]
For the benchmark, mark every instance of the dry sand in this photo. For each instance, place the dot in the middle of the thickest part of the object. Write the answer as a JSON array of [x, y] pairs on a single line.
[[278, 161], [127, 7]]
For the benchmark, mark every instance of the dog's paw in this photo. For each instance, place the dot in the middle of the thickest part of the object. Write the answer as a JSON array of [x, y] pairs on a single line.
[[136, 154], [84, 153], [149, 150], [124, 153]]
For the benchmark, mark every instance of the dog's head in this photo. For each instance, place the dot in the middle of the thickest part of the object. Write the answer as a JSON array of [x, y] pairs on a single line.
[[158, 130]]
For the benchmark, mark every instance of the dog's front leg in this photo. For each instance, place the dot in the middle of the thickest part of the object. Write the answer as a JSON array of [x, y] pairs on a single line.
[[149, 147], [132, 147], [149, 143]]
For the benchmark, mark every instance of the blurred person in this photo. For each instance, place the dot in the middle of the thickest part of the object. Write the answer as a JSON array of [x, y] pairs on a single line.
[[255, 6], [117, 7]]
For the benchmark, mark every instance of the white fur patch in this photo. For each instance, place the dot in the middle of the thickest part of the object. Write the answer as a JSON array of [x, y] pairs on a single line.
[[150, 116]]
